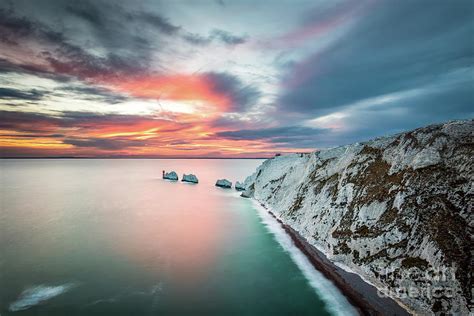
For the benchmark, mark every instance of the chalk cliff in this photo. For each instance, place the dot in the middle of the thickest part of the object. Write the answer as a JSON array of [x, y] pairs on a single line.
[[396, 210]]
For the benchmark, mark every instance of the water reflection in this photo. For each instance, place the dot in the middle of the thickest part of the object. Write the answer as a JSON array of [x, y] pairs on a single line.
[[175, 235], [132, 243]]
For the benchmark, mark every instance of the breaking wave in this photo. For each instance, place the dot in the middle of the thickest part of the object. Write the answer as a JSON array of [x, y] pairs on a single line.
[[336, 302], [36, 294]]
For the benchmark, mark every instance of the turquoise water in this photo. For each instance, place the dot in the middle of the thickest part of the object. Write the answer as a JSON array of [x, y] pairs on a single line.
[[110, 237]]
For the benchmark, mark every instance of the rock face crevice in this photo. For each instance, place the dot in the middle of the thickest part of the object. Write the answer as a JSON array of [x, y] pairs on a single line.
[[396, 210]]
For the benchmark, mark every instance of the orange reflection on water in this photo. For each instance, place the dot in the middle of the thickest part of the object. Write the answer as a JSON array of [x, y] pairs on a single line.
[[178, 232]]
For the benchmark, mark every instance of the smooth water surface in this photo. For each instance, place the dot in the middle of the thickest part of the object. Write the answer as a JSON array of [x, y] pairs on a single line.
[[110, 237]]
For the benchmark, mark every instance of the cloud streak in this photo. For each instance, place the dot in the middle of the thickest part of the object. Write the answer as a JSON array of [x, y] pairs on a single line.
[[15, 94], [101, 78]]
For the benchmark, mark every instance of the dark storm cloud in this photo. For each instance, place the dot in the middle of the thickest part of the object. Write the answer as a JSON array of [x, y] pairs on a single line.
[[243, 96], [15, 94], [294, 136]]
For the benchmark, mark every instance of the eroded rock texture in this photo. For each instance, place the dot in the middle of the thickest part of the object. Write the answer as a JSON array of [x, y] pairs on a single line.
[[396, 210]]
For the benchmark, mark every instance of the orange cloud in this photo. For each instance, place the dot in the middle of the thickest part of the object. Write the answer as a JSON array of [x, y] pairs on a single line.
[[188, 88], [27, 134]]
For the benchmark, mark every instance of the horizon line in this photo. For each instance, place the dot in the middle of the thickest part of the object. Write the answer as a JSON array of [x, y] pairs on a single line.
[[130, 157]]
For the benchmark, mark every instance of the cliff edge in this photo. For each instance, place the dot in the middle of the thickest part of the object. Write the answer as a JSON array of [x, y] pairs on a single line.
[[395, 210]]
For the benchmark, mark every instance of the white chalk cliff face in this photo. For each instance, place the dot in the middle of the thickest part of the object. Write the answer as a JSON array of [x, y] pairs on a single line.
[[396, 210]]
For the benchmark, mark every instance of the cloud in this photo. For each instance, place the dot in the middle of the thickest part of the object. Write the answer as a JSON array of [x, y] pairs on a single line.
[[197, 39], [227, 37], [93, 93], [124, 51], [81, 122], [328, 73], [26, 122], [104, 143], [376, 58], [92, 134], [89, 11], [218, 35], [15, 94], [396, 112], [323, 20], [13, 26], [376, 79], [103, 15], [217, 91], [159, 22], [243, 96], [296, 136], [77, 132], [234, 121], [107, 18]]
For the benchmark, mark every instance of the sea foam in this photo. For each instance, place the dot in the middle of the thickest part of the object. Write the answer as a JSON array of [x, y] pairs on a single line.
[[36, 294], [336, 302]]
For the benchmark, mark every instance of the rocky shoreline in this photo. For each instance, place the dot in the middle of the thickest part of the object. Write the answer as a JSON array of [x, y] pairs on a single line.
[[362, 295]]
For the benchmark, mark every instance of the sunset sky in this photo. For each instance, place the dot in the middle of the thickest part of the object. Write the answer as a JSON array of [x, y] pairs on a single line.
[[226, 78]]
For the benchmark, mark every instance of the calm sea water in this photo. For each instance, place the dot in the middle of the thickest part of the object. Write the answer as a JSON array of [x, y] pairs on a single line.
[[110, 237]]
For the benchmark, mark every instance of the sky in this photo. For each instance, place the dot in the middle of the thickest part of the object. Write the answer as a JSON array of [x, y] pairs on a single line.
[[221, 78]]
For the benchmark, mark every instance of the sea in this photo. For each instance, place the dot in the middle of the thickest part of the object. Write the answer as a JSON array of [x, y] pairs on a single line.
[[111, 237]]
